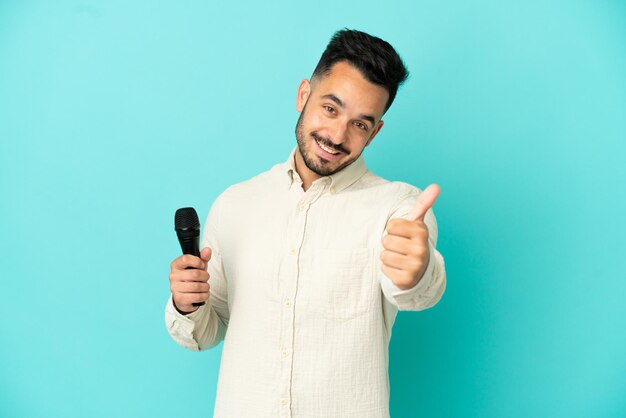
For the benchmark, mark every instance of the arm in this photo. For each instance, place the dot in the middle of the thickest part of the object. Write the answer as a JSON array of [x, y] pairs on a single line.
[[206, 326], [426, 287]]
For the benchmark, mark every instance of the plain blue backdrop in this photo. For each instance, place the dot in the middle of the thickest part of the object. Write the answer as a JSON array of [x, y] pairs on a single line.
[[115, 113]]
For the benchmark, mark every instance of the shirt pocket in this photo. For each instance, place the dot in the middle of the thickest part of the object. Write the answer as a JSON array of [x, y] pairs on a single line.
[[347, 284]]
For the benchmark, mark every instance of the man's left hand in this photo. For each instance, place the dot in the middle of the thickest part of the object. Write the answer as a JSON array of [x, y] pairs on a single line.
[[406, 253]]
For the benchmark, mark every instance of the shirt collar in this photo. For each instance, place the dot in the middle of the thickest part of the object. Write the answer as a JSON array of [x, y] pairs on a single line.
[[337, 182]]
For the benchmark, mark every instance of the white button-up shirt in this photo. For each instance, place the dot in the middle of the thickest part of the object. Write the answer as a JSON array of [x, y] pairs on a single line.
[[298, 296]]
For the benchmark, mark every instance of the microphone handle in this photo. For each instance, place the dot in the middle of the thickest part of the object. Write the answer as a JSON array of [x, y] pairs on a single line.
[[191, 245]]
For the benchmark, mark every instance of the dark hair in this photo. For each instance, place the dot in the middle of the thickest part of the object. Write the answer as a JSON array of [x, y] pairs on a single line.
[[374, 58]]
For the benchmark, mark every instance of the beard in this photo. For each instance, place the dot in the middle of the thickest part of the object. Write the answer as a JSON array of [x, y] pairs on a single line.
[[318, 165]]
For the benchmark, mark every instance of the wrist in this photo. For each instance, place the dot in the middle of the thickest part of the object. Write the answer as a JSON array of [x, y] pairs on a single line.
[[180, 311]]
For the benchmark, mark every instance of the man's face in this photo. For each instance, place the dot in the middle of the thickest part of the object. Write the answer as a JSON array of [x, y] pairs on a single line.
[[339, 116]]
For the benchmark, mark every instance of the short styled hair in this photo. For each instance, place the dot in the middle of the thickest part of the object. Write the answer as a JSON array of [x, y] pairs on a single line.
[[375, 58]]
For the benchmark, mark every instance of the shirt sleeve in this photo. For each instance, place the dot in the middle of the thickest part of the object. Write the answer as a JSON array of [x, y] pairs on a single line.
[[428, 291], [205, 327]]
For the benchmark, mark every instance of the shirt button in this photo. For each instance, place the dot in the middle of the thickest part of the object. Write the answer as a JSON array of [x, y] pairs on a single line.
[[292, 251], [284, 401], [285, 353], [332, 190], [287, 303], [302, 207]]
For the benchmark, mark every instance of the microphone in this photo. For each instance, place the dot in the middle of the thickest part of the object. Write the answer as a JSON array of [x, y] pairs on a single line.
[[187, 228]]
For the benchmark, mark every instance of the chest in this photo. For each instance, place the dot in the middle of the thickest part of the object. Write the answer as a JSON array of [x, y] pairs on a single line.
[[321, 252]]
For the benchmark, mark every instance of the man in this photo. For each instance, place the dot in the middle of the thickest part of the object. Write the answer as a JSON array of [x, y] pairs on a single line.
[[309, 262]]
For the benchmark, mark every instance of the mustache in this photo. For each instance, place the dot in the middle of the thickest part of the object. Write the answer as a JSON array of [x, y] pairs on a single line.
[[328, 143]]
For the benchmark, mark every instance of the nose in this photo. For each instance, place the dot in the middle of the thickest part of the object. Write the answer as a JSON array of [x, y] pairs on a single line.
[[340, 133]]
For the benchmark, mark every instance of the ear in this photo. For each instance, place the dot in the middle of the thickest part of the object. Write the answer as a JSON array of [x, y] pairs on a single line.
[[377, 129], [304, 90]]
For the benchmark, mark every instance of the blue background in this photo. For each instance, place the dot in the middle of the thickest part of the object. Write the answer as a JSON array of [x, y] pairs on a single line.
[[113, 114]]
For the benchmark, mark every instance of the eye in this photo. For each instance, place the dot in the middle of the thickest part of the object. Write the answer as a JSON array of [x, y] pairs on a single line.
[[361, 125], [329, 109]]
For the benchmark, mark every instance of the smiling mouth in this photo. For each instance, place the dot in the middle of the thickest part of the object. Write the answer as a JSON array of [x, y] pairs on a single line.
[[327, 149]]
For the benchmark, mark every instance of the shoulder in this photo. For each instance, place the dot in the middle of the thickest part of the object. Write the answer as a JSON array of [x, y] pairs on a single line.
[[391, 189], [239, 197], [255, 186]]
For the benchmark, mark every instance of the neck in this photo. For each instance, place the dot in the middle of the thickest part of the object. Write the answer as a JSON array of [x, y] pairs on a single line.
[[307, 176]]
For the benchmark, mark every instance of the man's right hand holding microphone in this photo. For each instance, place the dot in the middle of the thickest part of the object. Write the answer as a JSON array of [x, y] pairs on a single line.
[[189, 281]]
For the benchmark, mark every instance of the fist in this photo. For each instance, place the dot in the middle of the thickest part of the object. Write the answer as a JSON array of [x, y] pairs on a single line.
[[406, 254], [189, 281]]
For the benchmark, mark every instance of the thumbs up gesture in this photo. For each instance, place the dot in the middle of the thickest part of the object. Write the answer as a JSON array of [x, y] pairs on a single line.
[[406, 253]]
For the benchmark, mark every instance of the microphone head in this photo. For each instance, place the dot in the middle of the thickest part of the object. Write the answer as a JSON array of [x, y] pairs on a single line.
[[186, 219]]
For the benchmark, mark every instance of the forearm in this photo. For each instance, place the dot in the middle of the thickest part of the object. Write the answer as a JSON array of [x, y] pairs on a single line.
[[199, 330]]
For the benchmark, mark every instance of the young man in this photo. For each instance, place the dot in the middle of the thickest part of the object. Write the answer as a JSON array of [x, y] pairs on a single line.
[[309, 262]]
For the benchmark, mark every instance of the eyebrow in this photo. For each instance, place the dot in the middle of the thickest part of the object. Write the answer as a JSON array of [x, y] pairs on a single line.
[[337, 100]]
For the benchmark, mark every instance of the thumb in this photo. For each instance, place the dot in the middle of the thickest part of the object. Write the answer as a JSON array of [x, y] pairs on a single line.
[[425, 201], [205, 254]]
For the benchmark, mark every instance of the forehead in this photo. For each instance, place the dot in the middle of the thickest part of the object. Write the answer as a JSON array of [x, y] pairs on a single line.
[[348, 84]]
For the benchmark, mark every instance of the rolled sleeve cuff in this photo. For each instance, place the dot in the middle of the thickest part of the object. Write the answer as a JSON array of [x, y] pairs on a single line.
[[181, 327]]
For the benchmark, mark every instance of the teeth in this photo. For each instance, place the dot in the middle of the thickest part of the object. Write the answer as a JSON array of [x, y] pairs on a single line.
[[328, 150]]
